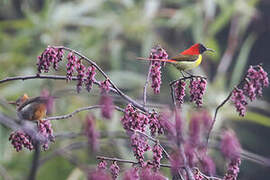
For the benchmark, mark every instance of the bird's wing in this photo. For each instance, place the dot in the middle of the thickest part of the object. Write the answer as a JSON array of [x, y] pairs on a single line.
[[181, 57], [38, 99]]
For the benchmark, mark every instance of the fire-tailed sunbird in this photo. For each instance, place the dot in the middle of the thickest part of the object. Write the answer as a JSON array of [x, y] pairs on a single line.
[[186, 60]]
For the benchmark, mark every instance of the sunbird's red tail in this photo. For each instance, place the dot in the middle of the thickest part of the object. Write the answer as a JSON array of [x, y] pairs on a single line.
[[162, 60]]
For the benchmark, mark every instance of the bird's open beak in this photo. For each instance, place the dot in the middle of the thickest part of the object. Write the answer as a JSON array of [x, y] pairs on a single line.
[[208, 49], [12, 102]]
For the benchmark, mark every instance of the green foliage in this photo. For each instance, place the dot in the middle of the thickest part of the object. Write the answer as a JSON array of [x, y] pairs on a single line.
[[56, 168], [113, 33]]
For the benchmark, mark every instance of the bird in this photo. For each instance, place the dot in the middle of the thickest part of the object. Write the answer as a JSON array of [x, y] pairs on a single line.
[[31, 109], [186, 60]]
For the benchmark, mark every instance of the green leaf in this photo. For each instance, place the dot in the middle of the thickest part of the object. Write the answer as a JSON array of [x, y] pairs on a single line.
[[221, 21], [242, 59], [76, 174], [58, 168], [127, 79], [256, 118]]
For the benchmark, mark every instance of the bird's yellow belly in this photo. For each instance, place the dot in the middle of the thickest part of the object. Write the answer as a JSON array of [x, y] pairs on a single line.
[[187, 65]]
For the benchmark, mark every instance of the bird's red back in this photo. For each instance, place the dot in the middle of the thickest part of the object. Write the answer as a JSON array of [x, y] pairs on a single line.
[[193, 50]]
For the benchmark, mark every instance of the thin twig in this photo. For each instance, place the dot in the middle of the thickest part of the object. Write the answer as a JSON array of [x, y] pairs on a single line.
[[215, 117], [37, 76], [146, 85], [185, 78], [129, 161], [79, 110], [34, 166], [73, 113], [205, 176]]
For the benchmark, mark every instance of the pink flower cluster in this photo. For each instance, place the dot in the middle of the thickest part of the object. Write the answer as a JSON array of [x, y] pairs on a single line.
[[197, 88], [147, 174], [98, 174], [157, 156], [102, 165], [208, 165], [166, 126], [139, 146], [256, 78], [72, 60], [20, 139], [107, 108], [91, 133], [195, 129], [133, 119], [231, 149], [106, 101], [176, 161], [155, 72], [233, 169], [239, 100], [105, 86], [80, 75], [154, 124], [178, 128], [50, 100], [45, 129], [114, 170], [84, 76], [230, 146], [179, 90], [194, 150], [198, 175], [131, 174], [51, 56], [90, 77]]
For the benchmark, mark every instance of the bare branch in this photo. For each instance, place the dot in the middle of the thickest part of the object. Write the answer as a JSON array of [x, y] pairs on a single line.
[[136, 104], [73, 113], [215, 117], [34, 165], [129, 161], [79, 110]]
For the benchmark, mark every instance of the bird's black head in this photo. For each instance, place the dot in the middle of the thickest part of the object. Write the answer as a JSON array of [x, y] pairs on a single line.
[[202, 49]]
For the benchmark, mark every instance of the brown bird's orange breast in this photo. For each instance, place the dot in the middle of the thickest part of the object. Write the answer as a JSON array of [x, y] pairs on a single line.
[[39, 112], [33, 111]]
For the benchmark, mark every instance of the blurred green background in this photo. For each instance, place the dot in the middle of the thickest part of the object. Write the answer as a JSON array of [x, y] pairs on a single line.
[[113, 33]]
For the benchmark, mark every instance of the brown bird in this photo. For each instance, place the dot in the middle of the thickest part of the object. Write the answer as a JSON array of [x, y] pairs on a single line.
[[32, 109]]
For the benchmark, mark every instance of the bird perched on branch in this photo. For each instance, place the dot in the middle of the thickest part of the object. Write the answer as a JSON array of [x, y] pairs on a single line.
[[32, 109], [186, 60]]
